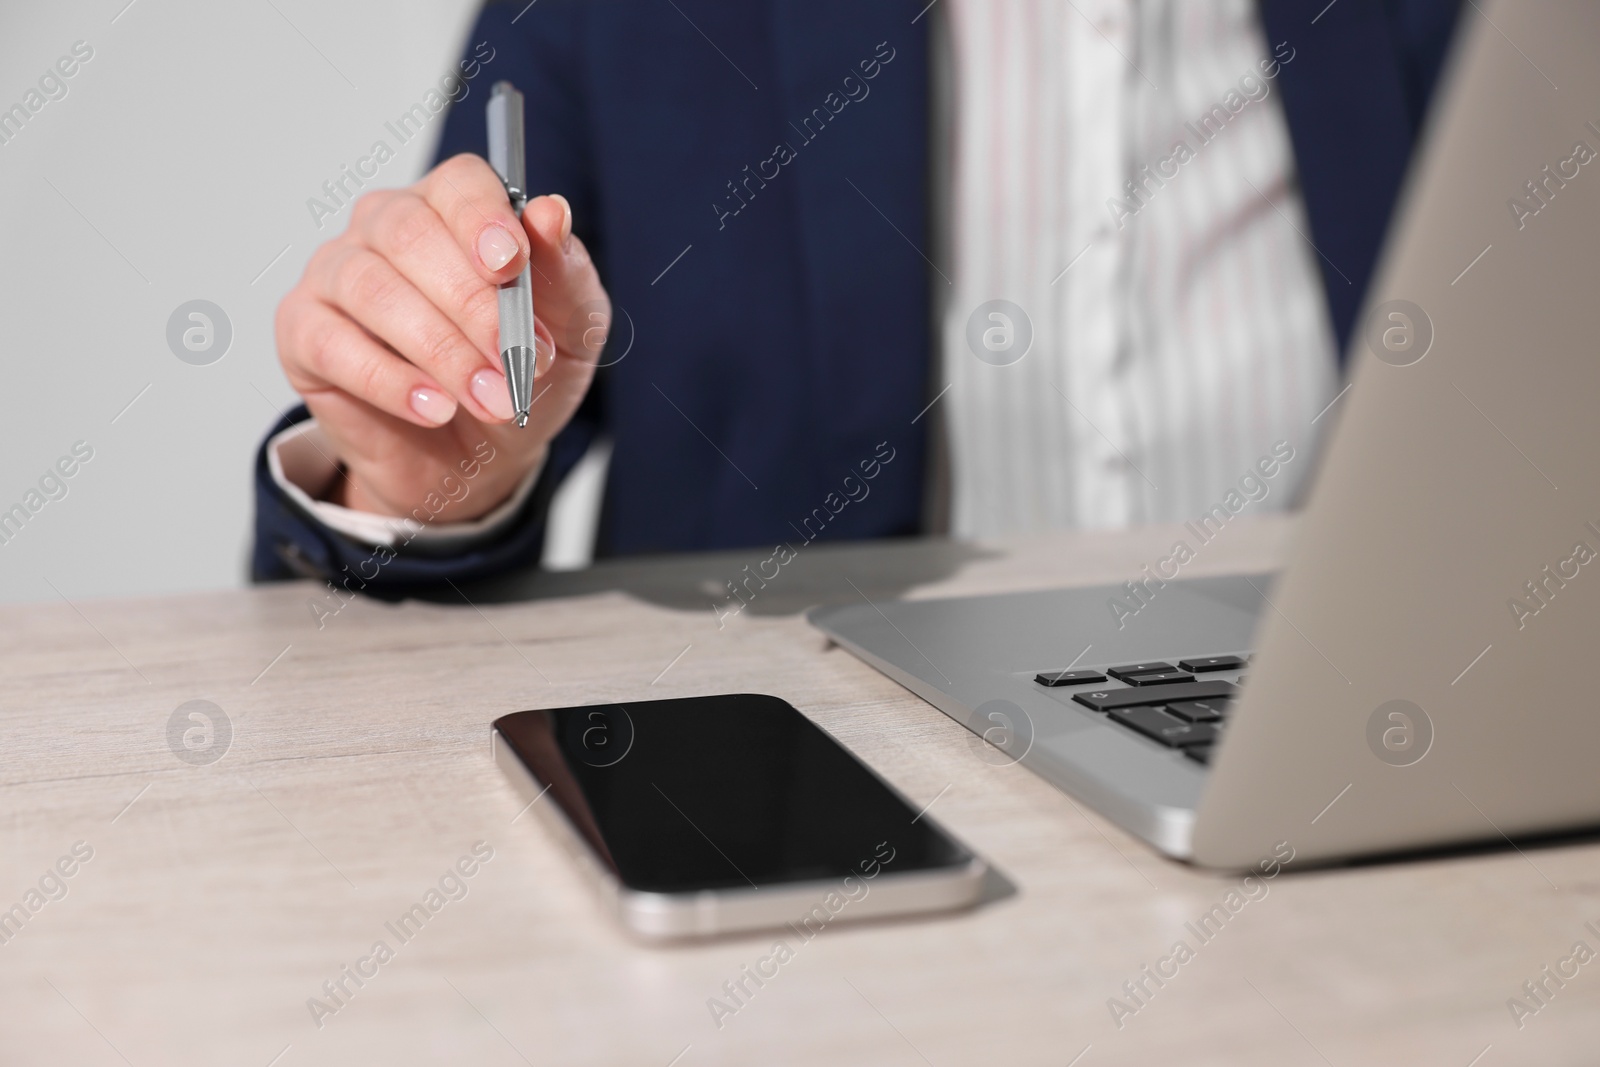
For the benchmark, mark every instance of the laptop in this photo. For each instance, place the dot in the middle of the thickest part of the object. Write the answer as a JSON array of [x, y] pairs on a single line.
[[1417, 676]]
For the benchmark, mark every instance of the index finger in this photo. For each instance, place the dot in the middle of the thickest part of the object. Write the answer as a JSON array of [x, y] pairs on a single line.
[[468, 195]]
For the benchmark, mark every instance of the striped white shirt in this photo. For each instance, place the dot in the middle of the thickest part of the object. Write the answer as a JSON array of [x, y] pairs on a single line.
[[1176, 334]]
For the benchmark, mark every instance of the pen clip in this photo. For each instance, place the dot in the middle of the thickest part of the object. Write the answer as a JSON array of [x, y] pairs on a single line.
[[507, 148]]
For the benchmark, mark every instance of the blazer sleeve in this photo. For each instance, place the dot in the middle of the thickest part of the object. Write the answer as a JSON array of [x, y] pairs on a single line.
[[290, 543], [537, 48]]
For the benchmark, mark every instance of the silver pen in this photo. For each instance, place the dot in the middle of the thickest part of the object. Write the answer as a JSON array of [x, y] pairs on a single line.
[[507, 157]]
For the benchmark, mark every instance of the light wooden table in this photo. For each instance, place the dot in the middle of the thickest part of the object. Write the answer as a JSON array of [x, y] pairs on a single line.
[[220, 897]]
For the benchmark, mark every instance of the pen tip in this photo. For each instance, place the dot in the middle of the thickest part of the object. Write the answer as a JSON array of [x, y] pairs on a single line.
[[522, 420]]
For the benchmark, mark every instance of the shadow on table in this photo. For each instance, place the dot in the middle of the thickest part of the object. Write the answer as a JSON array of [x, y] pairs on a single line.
[[818, 574]]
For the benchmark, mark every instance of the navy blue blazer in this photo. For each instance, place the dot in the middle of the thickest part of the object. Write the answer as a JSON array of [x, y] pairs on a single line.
[[752, 181]]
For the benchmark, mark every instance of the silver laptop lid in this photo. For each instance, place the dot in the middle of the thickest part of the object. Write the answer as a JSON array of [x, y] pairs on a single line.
[[1421, 676]]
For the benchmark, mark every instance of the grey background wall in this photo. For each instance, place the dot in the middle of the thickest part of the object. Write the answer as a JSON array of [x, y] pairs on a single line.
[[176, 167]]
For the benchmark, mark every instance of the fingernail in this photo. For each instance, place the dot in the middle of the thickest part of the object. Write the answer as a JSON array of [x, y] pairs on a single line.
[[566, 222], [496, 247], [544, 356], [434, 406], [489, 389]]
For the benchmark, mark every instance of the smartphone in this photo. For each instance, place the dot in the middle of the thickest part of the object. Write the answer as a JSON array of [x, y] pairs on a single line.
[[710, 815]]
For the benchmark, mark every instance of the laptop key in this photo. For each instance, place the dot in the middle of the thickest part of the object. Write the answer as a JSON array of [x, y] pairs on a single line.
[[1054, 678], [1160, 678], [1169, 730], [1108, 699], [1212, 663], [1124, 673], [1199, 753], [1200, 710]]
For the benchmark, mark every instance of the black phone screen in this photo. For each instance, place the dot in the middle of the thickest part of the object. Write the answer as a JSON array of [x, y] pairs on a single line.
[[720, 792]]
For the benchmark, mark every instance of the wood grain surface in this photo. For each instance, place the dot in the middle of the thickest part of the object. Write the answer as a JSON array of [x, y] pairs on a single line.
[[220, 896]]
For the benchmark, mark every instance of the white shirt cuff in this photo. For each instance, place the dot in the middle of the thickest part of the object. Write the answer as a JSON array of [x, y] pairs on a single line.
[[300, 460]]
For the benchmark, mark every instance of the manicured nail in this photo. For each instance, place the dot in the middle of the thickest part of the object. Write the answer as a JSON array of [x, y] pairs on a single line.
[[496, 247], [433, 405], [566, 222], [489, 389], [544, 357]]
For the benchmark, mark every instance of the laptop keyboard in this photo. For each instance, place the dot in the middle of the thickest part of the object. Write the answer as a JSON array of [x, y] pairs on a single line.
[[1166, 703]]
